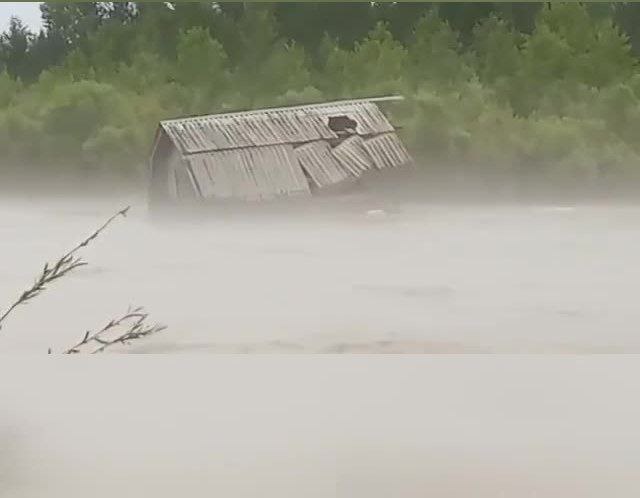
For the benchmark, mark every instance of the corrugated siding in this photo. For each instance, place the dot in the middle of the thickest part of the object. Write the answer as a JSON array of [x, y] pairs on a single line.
[[258, 173], [387, 151], [293, 125], [185, 188], [352, 156], [321, 166]]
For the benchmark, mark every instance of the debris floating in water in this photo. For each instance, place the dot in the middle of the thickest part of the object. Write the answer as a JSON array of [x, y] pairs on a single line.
[[376, 213]]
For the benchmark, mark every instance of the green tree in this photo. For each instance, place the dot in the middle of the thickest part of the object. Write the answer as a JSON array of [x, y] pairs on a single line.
[[268, 66], [496, 50], [9, 88], [375, 66], [14, 49], [201, 60], [463, 16], [202, 66], [307, 22], [72, 21], [434, 54], [600, 52], [627, 16]]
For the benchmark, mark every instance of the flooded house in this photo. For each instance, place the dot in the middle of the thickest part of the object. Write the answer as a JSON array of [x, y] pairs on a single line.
[[267, 154]]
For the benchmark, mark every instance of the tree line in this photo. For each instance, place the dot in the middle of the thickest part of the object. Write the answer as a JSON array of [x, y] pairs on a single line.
[[539, 91]]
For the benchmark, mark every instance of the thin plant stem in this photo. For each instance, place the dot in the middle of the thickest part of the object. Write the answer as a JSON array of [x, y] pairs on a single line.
[[67, 263], [136, 328]]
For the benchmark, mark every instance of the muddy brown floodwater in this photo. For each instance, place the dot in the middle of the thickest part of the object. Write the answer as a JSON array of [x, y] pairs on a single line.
[[370, 278]]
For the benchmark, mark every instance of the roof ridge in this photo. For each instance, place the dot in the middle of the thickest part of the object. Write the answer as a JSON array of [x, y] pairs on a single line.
[[283, 108]]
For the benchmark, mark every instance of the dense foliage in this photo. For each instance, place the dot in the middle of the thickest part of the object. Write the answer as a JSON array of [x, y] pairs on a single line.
[[524, 91]]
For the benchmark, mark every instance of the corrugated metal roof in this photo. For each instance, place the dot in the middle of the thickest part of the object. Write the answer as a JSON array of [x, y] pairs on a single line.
[[352, 155], [269, 153], [387, 151], [293, 125], [250, 174], [321, 166]]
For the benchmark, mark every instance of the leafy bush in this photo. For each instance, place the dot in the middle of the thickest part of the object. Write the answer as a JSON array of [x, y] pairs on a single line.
[[558, 101]]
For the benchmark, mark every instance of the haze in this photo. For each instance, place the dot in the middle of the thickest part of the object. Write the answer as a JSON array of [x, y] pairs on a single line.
[[368, 275], [478, 192], [328, 426]]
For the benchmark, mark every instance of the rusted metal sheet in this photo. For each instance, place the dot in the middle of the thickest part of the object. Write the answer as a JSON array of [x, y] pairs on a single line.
[[258, 173], [321, 166], [352, 156], [387, 151]]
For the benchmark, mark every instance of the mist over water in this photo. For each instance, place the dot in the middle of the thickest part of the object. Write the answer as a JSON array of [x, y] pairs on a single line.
[[322, 426], [364, 276], [352, 274]]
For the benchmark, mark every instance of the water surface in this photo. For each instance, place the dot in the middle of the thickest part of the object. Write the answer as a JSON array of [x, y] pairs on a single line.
[[367, 278]]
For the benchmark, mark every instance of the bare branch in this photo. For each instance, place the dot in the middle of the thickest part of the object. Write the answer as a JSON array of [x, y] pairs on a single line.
[[67, 263], [135, 327]]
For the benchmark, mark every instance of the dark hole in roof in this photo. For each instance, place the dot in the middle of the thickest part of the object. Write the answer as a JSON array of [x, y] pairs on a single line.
[[342, 124]]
